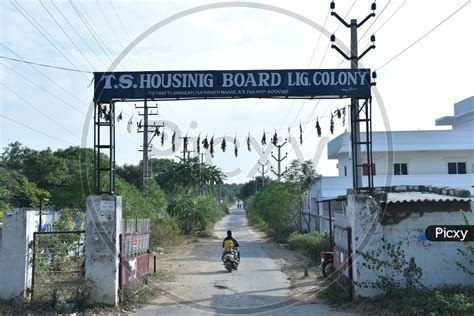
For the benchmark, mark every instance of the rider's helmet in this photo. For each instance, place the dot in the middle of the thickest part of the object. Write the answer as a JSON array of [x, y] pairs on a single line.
[[229, 233]]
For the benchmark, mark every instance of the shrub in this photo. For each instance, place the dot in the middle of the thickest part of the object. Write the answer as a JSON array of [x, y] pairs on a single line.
[[195, 212], [310, 244], [164, 231]]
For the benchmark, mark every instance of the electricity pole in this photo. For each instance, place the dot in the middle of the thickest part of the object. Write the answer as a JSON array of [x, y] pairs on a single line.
[[263, 171], [279, 173], [355, 110], [146, 128]]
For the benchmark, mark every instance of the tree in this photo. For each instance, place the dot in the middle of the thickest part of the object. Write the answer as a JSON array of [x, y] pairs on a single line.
[[302, 175], [272, 205], [18, 191]]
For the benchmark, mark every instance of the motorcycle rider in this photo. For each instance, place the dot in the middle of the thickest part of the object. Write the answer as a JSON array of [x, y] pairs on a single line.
[[230, 243]]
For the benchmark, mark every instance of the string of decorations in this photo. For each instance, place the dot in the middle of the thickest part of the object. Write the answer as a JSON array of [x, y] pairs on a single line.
[[208, 145]]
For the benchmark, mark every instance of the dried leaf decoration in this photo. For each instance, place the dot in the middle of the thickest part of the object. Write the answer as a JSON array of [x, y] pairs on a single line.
[[139, 125], [211, 145], [331, 127], [163, 137], [205, 143], [344, 116], [318, 128], [264, 139], [301, 134], [223, 144], [248, 143], [275, 138], [236, 151], [157, 132], [185, 143], [119, 117], [129, 125], [198, 144], [173, 138], [338, 113]]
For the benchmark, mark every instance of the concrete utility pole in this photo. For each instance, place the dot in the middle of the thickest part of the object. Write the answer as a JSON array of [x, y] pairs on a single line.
[[186, 151], [355, 110], [146, 129], [263, 171], [279, 173]]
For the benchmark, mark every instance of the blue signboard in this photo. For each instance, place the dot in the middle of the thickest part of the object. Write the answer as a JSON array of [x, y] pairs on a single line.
[[224, 84]]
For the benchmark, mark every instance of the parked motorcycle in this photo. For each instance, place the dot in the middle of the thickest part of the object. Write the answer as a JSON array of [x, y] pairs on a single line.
[[327, 265], [230, 260]]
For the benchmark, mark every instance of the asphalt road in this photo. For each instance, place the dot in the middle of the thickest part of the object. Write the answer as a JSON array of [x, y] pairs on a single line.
[[206, 288]]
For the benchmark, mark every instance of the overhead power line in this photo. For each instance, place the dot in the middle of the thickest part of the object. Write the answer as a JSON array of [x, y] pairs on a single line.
[[38, 110], [45, 65], [50, 38], [424, 35], [54, 95], [65, 33], [77, 33], [35, 130]]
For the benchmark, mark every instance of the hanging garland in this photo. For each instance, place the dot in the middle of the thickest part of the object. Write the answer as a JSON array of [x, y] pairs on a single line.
[[173, 144], [211, 149], [236, 151], [198, 144], [223, 144], [331, 126], [318, 128], [139, 126], [301, 134], [275, 139], [344, 116], [248, 143], [339, 113], [185, 143], [129, 124]]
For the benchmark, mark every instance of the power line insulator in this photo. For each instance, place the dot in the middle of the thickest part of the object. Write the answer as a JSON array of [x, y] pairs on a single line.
[[372, 38], [373, 7], [374, 75], [333, 5], [333, 38]]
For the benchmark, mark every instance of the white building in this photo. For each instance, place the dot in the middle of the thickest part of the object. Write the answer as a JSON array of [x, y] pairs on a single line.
[[442, 158]]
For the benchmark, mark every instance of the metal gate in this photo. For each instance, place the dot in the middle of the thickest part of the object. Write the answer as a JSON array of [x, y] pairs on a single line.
[[343, 257], [58, 267], [134, 256]]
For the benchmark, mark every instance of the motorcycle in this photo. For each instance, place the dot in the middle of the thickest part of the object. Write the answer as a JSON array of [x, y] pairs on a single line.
[[230, 260], [327, 266]]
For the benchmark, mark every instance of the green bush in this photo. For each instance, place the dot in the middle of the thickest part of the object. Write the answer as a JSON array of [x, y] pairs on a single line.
[[164, 231], [195, 212], [310, 244], [444, 300]]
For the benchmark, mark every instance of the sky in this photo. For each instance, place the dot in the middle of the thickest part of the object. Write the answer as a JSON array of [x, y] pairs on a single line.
[[47, 107]]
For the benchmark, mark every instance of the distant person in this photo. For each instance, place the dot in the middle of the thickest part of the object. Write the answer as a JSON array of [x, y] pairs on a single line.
[[230, 244]]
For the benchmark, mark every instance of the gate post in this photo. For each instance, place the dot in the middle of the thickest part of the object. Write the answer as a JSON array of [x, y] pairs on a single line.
[[103, 226], [16, 255]]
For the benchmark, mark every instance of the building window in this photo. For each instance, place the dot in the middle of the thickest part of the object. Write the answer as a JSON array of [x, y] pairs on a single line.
[[456, 168], [400, 169], [345, 171], [365, 169]]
